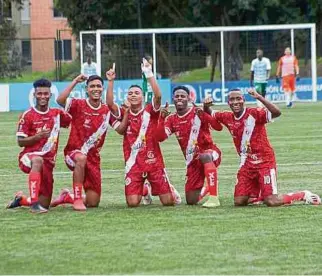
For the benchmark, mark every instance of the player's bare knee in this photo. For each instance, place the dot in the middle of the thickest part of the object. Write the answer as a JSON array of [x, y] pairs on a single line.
[[80, 160], [205, 157], [240, 201], [133, 202], [191, 201], [93, 204], [37, 162], [271, 201]]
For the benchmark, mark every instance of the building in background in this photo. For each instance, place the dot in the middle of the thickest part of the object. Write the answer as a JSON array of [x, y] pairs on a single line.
[[43, 35]]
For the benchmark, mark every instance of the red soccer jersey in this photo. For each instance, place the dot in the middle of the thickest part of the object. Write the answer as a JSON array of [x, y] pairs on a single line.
[[249, 135], [192, 131], [88, 127], [33, 121], [141, 150]]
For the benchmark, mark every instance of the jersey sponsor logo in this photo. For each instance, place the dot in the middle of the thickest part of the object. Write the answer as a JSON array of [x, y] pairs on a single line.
[[128, 181], [151, 157], [150, 154]]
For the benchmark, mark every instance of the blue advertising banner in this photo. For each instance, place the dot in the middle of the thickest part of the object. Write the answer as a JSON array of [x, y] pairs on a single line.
[[21, 94], [274, 91]]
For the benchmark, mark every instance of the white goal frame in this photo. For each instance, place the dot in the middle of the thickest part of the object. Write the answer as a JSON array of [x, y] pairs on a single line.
[[221, 30]]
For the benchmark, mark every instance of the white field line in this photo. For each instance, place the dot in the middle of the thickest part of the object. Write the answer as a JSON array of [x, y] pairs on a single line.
[[179, 169]]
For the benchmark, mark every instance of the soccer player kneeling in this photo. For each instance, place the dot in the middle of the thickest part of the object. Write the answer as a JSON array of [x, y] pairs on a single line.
[[38, 133], [90, 121], [191, 126], [256, 178], [142, 153]]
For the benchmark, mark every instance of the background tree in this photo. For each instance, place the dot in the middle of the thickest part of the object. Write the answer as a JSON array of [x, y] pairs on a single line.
[[108, 14], [10, 58]]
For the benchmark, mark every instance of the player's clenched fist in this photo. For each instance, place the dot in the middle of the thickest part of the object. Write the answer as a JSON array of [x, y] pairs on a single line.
[[44, 133], [208, 102], [80, 78], [253, 93], [165, 110], [110, 74], [126, 106]]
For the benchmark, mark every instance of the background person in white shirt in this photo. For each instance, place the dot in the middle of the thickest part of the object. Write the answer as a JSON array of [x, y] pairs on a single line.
[[89, 68], [260, 73]]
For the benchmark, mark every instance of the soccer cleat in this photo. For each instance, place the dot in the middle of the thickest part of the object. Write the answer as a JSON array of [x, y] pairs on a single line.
[[65, 197], [310, 198], [15, 203], [212, 202], [79, 205], [36, 208], [290, 105], [147, 199], [175, 194]]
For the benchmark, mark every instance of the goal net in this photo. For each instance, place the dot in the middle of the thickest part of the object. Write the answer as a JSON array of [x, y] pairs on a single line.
[[209, 60]]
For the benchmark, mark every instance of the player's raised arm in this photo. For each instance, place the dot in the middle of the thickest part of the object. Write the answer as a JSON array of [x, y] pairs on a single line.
[[121, 129], [272, 108], [207, 103], [147, 70], [61, 99], [110, 75]]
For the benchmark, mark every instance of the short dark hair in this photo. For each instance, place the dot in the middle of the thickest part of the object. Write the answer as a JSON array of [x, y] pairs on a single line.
[[42, 83], [181, 87], [135, 85], [94, 77]]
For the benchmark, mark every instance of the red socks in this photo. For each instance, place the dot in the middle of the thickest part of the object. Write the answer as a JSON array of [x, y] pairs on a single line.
[[289, 198], [34, 186], [77, 190], [212, 179]]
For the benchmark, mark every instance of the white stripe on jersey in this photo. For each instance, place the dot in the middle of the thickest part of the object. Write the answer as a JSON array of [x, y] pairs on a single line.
[[96, 135], [138, 142], [193, 137], [247, 134]]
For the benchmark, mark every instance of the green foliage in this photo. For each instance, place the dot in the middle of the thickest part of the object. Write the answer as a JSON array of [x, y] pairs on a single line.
[[69, 72]]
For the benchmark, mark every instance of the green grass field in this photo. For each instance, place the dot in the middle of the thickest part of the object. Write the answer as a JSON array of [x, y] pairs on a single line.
[[170, 240]]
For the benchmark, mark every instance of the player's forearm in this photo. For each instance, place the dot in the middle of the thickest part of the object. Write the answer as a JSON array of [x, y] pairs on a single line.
[[272, 108], [161, 134], [268, 74], [110, 98], [156, 91], [207, 109], [216, 125], [61, 99], [297, 70], [121, 129], [27, 141]]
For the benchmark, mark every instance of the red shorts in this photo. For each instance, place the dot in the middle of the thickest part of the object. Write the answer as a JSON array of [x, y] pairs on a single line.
[[158, 179], [256, 182], [47, 179], [195, 175], [288, 83], [93, 179]]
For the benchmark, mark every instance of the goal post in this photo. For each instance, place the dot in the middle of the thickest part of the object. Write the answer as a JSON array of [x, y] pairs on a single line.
[[179, 52]]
